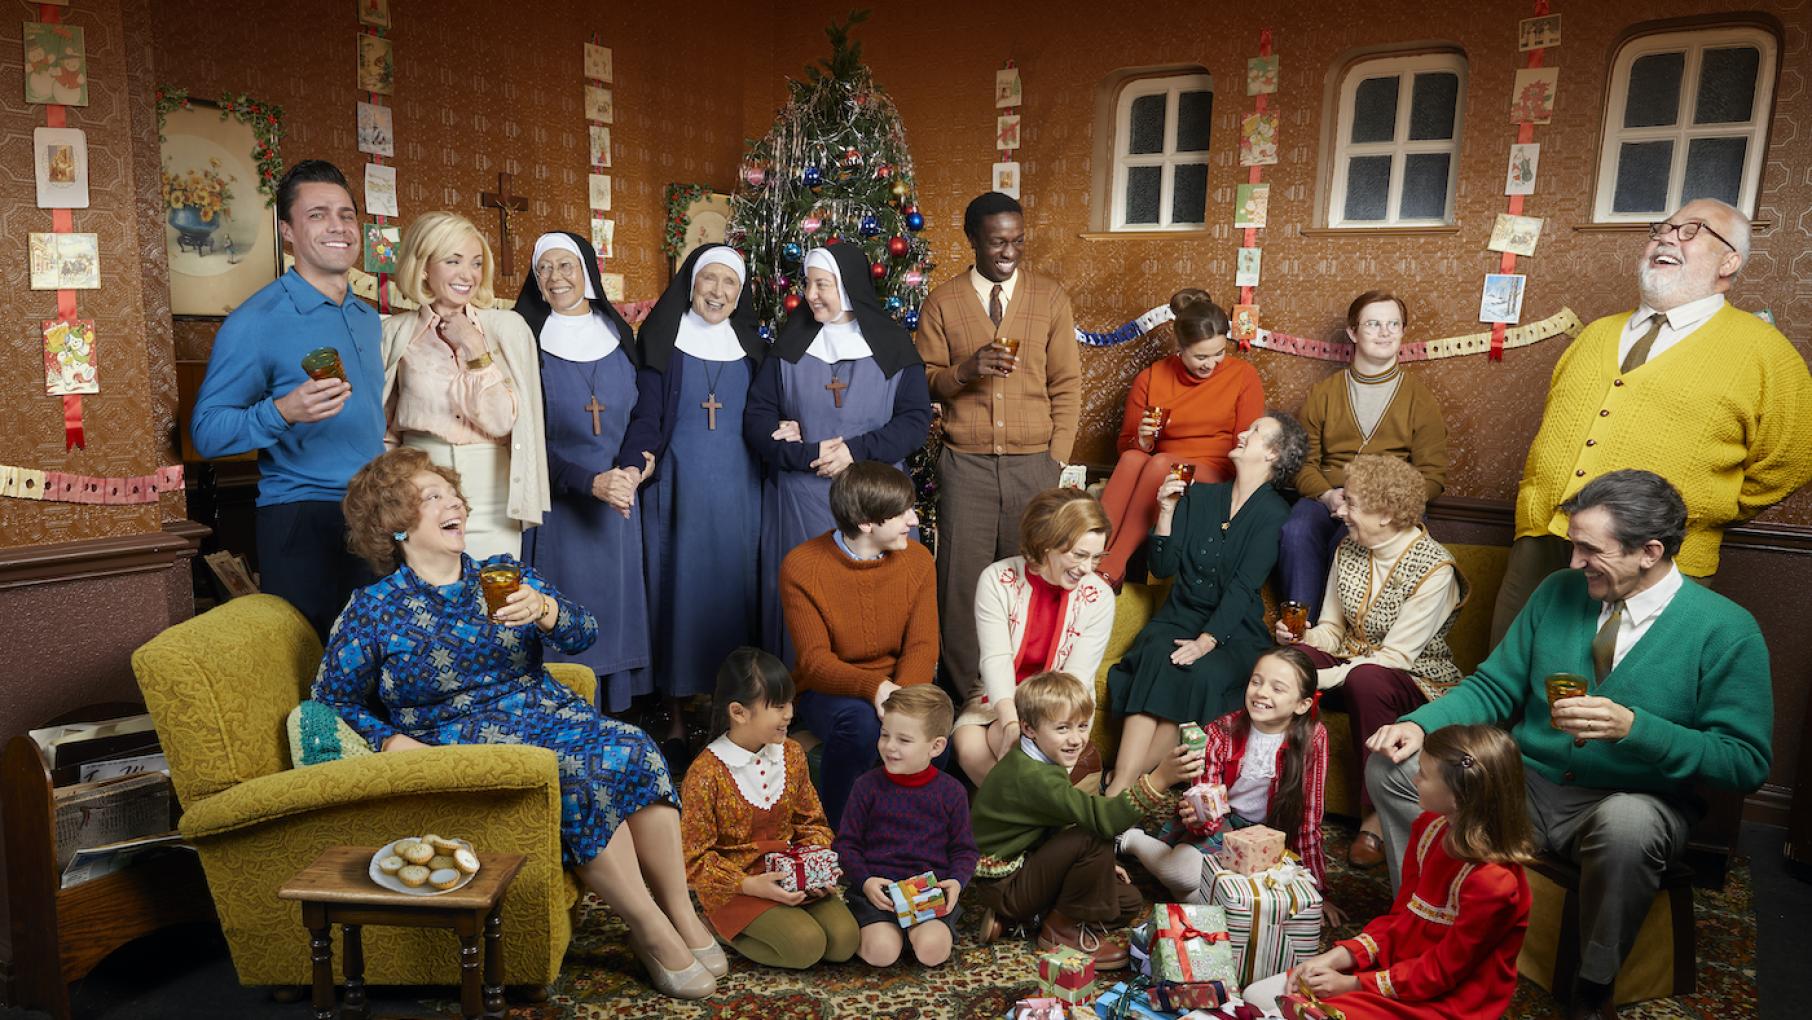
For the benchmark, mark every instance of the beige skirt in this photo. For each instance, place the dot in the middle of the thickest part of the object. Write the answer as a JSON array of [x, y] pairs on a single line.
[[974, 712], [484, 479]]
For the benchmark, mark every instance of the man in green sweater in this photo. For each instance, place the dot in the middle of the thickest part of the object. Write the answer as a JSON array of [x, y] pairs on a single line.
[[1678, 693]]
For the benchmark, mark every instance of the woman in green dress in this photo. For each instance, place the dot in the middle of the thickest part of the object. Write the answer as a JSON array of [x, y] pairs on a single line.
[[1191, 662]]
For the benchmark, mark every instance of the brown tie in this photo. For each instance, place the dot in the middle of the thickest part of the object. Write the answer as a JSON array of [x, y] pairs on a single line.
[[995, 312], [1604, 646], [1639, 353]]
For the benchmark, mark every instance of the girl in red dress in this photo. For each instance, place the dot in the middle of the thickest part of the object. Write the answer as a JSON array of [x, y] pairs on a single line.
[[1447, 949]]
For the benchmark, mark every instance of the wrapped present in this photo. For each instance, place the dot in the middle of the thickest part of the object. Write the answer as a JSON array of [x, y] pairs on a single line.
[[1042, 1008], [917, 899], [1067, 974], [1273, 917], [1209, 801], [1189, 947], [804, 868], [1192, 736], [1252, 849], [1139, 946], [1303, 1005], [1175, 996], [1126, 1001]]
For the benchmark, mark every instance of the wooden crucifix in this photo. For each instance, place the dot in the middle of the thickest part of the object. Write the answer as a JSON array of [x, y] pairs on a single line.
[[505, 203], [597, 427], [836, 386], [710, 404]]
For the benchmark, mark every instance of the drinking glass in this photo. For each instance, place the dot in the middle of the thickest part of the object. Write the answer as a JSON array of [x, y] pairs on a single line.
[[1563, 685], [323, 363], [499, 582], [1296, 617]]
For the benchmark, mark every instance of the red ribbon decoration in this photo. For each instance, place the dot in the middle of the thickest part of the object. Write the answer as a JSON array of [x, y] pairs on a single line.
[[383, 278], [62, 221], [1180, 929], [1254, 175], [1525, 133]]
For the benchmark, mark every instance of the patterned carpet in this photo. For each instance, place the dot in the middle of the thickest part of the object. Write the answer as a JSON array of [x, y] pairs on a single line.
[[602, 979]]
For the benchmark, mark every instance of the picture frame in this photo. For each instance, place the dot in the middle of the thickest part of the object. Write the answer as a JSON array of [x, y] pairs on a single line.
[[703, 220], [232, 575], [220, 233]]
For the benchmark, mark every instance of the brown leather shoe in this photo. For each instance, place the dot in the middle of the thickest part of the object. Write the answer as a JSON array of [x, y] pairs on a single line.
[[991, 928], [1087, 765], [1110, 952], [1367, 850]]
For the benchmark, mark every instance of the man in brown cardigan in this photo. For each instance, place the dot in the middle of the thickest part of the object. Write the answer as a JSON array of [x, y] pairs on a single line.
[[1010, 416]]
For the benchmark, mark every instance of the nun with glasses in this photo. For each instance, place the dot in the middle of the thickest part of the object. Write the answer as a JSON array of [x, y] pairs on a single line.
[[701, 514], [840, 385], [589, 543]]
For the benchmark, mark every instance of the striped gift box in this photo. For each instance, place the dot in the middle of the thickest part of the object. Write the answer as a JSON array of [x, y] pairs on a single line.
[[1273, 917]]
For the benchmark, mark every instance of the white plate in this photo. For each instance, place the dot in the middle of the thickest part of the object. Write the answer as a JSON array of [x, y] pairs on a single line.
[[395, 884]]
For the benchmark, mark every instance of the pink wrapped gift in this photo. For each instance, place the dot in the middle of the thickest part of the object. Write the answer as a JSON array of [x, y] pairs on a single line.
[[1042, 1008], [804, 868], [1210, 803], [1252, 849]]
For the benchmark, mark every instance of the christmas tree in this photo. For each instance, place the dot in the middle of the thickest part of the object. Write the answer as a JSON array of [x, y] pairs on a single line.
[[834, 168]]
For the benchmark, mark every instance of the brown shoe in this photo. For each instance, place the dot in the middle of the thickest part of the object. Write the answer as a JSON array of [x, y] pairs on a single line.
[[991, 928], [1367, 850], [1087, 765], [1110, 952]]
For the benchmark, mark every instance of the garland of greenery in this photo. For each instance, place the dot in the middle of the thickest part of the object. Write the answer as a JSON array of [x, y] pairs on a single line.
[[265, 120], [679, 197]]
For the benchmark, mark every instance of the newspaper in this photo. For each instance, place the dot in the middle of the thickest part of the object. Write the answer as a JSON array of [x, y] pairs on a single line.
[[94, 862]]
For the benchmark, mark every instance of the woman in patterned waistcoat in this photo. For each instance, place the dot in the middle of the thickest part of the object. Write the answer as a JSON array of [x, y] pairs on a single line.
[[1392, 596]]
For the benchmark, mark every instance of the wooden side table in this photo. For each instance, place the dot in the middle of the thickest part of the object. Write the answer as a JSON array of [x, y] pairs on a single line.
[[337, 889]]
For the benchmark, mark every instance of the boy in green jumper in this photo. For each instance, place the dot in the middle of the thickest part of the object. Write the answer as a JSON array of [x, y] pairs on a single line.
[[1047, 847]]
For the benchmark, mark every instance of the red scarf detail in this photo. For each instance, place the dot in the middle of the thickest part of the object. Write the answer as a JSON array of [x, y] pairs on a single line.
[[1045, 615]]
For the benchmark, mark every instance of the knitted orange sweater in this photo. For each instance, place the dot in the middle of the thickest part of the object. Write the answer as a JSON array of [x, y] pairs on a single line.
[[856, 623]]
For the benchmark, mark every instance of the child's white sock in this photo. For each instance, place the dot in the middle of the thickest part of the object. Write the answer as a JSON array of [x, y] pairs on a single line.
[[1178, 867]]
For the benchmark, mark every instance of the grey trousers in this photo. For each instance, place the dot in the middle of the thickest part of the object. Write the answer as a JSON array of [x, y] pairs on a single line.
[[1621, 842], [1532, 559], [980, 499]]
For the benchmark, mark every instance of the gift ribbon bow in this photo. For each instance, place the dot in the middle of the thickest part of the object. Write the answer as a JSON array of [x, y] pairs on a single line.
[[796, 854], [1180, 929]]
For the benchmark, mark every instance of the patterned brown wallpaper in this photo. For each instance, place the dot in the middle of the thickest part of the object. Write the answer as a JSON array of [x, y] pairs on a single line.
[[937, 58], [121, 419]]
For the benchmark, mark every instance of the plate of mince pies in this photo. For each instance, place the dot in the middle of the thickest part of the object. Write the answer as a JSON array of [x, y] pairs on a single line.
[[424, 865]]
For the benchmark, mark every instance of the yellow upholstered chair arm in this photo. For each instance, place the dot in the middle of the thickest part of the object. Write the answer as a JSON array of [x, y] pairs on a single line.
[[471, 771], [578, 677]]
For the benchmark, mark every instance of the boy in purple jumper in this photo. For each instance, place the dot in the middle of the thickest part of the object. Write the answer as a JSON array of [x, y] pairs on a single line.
[[903, 819]]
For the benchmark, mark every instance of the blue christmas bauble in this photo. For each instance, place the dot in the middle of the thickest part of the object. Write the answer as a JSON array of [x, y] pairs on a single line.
[[812, 176], [894, 303], [911, 320], [791, 251], [766, 331], [870, 226], [915, 221]]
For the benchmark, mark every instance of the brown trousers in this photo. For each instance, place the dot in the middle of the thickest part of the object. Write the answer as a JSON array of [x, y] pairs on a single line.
[[980, 500], [1071, 873]]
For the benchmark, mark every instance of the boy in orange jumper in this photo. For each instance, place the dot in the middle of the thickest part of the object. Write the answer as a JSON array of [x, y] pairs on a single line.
[[861, 606]]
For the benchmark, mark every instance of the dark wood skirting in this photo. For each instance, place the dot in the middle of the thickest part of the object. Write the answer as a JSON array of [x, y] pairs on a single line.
[[100, 557]]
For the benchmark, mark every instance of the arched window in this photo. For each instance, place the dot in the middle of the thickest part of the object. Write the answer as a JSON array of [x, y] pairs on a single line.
[[1686, 118], [1160, 150], [1397, 141]]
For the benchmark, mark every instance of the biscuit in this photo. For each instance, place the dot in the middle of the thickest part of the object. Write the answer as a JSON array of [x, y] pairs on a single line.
[[413, 875], [390, 864], [445, 878], [443, 844], [439, 862], [466, 860], [420, 853]]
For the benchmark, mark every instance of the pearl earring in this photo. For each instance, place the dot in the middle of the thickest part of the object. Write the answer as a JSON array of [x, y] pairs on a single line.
[[399, 535]]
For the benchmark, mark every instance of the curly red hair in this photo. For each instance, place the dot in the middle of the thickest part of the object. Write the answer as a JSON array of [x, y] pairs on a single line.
[[382, 500]]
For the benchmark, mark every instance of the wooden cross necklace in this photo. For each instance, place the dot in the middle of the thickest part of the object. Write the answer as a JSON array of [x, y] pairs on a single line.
[[710, 403], [591, 383], [836, 385]]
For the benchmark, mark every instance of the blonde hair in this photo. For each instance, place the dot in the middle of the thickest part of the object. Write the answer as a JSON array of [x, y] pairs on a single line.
[[1057, 519], [432, 237], [926, 703], [1052, 696]]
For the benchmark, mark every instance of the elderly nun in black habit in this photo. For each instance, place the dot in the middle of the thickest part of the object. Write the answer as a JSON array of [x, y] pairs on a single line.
[[701, 514], [842, 384], [590, 543]]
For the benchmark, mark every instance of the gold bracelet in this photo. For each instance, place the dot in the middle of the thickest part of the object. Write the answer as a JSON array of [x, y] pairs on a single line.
[[483, 361], [550, 604]]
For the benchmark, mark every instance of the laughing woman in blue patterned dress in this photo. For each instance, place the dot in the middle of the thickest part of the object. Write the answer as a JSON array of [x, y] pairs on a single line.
[[446, 673]]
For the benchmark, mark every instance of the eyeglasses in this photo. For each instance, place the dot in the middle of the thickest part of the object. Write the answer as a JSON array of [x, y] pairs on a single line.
[[1687, 231], [1383, 325], [548, 267]]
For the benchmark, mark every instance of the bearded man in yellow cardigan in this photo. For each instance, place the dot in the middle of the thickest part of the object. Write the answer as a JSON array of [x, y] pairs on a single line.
[[1704, 394]]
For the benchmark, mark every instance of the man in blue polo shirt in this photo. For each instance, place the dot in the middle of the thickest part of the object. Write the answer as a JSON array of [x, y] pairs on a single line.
[[310, 434]]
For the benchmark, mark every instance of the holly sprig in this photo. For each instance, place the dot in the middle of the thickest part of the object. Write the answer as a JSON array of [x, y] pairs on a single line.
[[265, 120], [679, 198]]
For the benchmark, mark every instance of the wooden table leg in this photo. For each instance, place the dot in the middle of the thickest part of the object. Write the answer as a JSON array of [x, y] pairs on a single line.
[[493, 965], [471, 1003], [320, 945], [355, 1007]]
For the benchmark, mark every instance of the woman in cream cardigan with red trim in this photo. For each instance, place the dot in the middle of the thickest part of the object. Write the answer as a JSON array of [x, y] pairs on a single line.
[[462, 382], [1045, 609]]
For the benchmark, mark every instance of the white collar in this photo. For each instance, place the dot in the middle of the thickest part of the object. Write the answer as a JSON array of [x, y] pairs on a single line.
[[1640, 607], [707, 342], [581, 338], [1681, 317], [840, 341], [760, 776], [1030, 747]]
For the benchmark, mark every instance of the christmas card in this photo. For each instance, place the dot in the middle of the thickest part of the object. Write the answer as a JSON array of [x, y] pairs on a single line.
[[1261, 75], [1502, 300], [375, 13], [381, 241], [65, 261], [1006, 132], [600, 146], [380, 190], [603, 235], [1251, 205], [56, 64], [375, 134], [377, 67], [598, 104], [1258, 140], [1245, 323], [61, 157], [1246, 275], [600, 191], [1007, 89], [1006, 179], [1532, 100], [69, 359], [1520, 178], [598, 63], [1515, 234], [1538, 33]]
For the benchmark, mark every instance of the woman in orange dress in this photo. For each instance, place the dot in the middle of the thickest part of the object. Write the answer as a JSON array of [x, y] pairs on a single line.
[[1207, 399]]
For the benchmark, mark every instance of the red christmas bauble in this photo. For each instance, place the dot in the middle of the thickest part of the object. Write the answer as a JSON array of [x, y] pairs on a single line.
[[897, 247], [878, 270], [790, 303], [908, 210]]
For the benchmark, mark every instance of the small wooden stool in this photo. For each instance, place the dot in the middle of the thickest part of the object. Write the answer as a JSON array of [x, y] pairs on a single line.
[[337, 889]]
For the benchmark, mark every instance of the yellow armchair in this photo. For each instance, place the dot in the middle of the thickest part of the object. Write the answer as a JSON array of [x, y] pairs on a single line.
[[219, 688]]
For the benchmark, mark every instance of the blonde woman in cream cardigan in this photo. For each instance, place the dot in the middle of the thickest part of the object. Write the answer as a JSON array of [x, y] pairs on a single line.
[[462, 382], [1045, 609]]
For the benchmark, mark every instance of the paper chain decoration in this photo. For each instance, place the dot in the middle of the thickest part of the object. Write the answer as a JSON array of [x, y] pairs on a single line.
[[63, 487], [1561, 323]]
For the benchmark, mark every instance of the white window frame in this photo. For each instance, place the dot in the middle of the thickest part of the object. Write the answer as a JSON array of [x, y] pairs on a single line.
[[1694, 42], [1171, 86], [1403, 68]]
